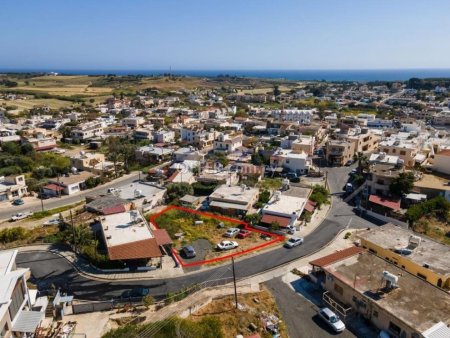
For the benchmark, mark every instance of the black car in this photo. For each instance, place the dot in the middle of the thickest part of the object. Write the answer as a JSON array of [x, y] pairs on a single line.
[[136, 293], [188, 252]]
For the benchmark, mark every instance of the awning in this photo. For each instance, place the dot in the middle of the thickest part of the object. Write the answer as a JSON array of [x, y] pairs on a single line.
[[225, 205], [385, 202], [28, 321], [269, 219], [162, 237]]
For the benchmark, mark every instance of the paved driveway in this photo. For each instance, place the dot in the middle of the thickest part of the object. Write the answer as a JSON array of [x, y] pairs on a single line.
[[299, 314]]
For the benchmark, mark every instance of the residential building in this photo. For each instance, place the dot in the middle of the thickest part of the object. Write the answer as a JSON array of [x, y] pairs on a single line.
[[198, 137], [164, 136], [365, 140], [227, 143], [417, 254], [441, 162], [67, 185], [41, 143], [404, 145], [442, 118], [21, 311], [393, 300], [153, 154], [233, 200], [299, 163], [143, 195], [87, 131], [432, 186], [133, 122], [283, 209], [93, 162], [188, 153], [12, 187], [301, 116], [381, 176], [339, 152], [128, 238], [382, 158], [143, 134]]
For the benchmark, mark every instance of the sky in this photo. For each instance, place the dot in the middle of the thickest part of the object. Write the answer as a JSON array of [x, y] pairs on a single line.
[[224, 34]]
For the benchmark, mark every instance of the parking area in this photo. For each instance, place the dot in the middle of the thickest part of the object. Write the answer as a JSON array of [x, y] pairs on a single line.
[[202, 238]]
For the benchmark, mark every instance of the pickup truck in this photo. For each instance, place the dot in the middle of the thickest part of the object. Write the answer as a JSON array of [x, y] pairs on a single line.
[[20, 215]]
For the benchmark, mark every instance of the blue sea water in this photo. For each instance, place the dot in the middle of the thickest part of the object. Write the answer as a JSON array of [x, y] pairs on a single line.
[[318, 75]]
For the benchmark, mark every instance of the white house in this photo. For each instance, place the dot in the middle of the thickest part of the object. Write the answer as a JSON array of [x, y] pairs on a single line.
[[296, 162], [441, 162], [227, 143], [164, 136], [282, 209]]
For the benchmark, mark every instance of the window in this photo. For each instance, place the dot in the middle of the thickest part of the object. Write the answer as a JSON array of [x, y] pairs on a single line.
[[17, 299], [338, 289], [421, 276], [394, 328]]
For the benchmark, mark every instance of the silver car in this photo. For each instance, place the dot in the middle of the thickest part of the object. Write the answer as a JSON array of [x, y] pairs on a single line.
[[293, 241], [332, 319]]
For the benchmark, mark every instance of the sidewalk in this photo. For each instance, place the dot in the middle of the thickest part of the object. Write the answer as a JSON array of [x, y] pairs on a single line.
[[317, 218]]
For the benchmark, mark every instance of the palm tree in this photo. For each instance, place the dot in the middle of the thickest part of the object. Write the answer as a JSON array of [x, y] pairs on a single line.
[[79, 236]]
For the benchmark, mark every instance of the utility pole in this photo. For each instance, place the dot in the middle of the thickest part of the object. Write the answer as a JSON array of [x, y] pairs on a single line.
[[59, 190], [73, 230], [42, 199], [234, 282]]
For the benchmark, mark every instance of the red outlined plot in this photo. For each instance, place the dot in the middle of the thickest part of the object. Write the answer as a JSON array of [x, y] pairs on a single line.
[[275, 238]]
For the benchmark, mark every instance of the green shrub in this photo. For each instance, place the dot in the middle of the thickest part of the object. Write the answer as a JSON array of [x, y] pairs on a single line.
[[13, 234]]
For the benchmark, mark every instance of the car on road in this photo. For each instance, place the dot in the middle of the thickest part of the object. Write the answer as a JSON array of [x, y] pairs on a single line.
[[188, 252], [354, 171], [293, 242], [227, 245], [54, 221], [331, 319], [43, 196], [349, 163], [20, 215], [231, 232], [244, 233], [135, 293], [349, 187], [18, 201]]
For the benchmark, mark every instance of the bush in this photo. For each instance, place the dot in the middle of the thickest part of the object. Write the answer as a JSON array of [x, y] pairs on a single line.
[[319, 195], [347, 235], [437, 206], [13, 234]]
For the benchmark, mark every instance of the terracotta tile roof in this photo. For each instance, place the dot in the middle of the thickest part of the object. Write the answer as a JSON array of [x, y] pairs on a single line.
[[336, 256], [445, 152], [282, 221], [162, 237], [386, 202], [53, 187], [147, 248], [113, 210]]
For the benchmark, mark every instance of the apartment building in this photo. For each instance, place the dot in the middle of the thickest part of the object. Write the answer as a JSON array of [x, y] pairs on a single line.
[[380, 177], [93, 162], [133, 122], [143, 134], [41, 143], [87, 131], [339, 152], [301, 116], [227, 143], [366, 141], [164, 136], [21, 311], [198, 137], [404, 145], [442, 118]]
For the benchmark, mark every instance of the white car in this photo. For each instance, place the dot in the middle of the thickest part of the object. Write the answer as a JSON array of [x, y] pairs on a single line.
[[332, 319], [54, 221], [293, 241], [227, 245], [231, 232], [20, 215]]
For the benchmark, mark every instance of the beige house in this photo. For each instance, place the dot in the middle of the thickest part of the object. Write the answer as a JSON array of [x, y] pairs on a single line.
[[233, 200], [381, 176], [227, 143], [441, 162], [92, 162], [366, 142], [385, 294], [12, 187]]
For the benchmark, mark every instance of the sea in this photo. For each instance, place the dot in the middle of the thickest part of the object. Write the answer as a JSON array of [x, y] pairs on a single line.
[[359, 75]]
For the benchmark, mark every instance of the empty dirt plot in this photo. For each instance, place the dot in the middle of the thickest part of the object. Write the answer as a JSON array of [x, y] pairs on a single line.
[[256, 312], [186, 226]]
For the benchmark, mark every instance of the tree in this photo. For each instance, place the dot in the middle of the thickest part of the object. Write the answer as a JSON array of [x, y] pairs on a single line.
[[79, 236], [178, 190], [319, 195], [362, 161], [276, 90], [252, 219], [264, 196], [402, 184], [148, 301]]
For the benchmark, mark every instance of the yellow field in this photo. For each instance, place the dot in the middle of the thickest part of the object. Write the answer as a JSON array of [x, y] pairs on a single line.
[[30, 103]]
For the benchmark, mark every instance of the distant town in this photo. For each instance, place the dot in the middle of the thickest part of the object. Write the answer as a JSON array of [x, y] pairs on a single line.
[[237, 207]]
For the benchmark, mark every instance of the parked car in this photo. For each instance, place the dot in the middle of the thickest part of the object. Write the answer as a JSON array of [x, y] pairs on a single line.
[[293, 241], [188, 252], [43, 196], [349, 163], [290, 229], [227, 245], [21, 215], [332, 319], [354, 171], [18, 201], [231, 232], [54, 221], [135, 293], [244, 233]]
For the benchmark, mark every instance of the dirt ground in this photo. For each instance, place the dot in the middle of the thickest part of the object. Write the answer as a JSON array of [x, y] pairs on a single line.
[[175, 221], [256, 308]]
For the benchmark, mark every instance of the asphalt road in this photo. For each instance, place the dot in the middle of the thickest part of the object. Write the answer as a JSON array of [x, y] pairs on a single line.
[[48, 268], [35, 205], [300, 315]]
